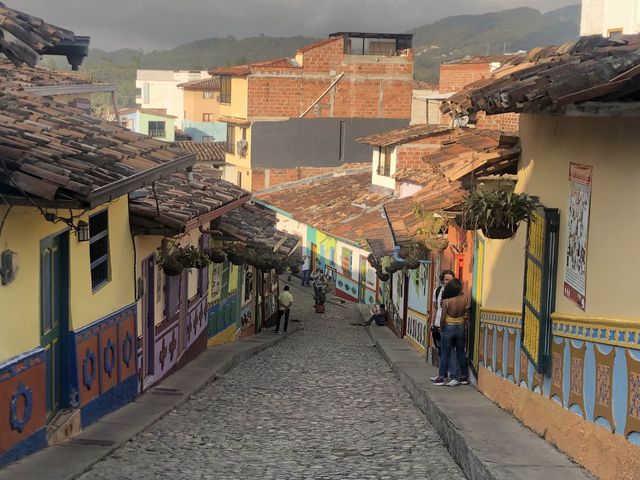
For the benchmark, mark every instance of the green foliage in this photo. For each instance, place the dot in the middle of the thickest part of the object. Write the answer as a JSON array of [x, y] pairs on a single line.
[[497, 209], [432, 231]]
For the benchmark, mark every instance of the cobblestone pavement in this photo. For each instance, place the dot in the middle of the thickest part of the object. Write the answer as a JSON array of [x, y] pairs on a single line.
[[321, 405]]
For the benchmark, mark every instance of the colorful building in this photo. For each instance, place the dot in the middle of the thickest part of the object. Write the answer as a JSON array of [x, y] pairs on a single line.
[[343, 80], [202, 110], [559, 341], [65, 214], [154, 123]]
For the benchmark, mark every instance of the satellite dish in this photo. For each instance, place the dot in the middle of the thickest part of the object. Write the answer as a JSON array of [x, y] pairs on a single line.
[[462, 121]]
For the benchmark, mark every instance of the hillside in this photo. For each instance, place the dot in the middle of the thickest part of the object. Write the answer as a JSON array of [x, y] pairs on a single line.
[[444, 40], [491, 33]]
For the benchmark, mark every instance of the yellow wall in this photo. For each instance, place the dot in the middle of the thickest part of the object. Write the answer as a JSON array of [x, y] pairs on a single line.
[[239, 99], [195, 105], [548, 145], [22, 232]]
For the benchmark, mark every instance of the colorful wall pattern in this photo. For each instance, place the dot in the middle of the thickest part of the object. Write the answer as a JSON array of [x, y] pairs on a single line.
[[22, 406], [595, 368]]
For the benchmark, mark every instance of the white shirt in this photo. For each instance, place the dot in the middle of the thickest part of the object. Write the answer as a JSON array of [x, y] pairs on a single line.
[[305, 264], [437, 299]]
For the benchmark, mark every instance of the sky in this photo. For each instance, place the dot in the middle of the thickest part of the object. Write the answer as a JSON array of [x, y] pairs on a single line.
[[164, 24]]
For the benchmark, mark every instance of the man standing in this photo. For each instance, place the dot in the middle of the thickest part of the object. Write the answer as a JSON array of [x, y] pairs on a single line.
[[285, 300], [304, 271], [445, 277], [319, 285]]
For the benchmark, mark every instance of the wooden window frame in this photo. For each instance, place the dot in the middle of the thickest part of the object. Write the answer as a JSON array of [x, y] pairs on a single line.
[[208, 117], [231, 139], [154, 133], [225, 89]]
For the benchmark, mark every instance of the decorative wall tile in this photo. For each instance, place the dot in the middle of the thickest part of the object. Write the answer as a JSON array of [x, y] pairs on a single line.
[[511, 354], [557, 367], [633, 401], [576, 378], [490, 336], [604, 386], [499, 351], [524, 368], [619, 333], [482, 345]]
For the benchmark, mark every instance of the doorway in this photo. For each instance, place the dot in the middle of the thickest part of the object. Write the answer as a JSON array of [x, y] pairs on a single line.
[[149, 314], [54, 323]]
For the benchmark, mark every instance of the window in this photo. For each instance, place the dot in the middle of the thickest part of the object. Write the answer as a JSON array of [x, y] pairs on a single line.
[[242, 144], [231, 139], [208, 117], [208, 138], [384, 161], [157, 129], [225, 89], [99, 248], [240, 179], [208, 94]]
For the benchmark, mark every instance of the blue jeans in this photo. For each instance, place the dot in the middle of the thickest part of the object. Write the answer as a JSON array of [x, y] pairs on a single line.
[[305, 277], [453, 336]]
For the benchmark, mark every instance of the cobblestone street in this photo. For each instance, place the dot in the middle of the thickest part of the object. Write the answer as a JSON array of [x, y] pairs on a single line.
[[321, 405]]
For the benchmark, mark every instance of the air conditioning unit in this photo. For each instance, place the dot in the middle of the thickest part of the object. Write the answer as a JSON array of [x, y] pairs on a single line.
[[242, 146]]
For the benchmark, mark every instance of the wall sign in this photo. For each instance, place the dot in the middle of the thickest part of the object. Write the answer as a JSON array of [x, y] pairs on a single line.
[[575, 269]]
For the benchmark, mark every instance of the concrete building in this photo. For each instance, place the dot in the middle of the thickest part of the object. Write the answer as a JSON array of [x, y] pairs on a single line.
[[154, 123], [610, 18], [158, 89]]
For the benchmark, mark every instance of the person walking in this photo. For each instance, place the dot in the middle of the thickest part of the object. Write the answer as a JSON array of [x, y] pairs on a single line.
[[285, 300], [455, 314], [304, 270]]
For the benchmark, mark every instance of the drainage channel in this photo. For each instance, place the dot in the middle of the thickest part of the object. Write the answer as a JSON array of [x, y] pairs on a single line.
[[169, 392], [91, 442]]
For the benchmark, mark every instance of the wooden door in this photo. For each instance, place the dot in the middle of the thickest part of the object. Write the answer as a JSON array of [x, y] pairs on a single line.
[[54, 305]]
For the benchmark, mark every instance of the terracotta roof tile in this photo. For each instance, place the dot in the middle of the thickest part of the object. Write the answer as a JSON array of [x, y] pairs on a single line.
[[549, 79], [213, 152], [403, 135], [211, 83], [25, 77], [180, 201], [344, 205], [257, 226], [57, 153], [30, 35]]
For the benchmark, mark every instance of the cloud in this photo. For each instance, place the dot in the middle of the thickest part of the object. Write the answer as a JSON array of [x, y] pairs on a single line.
[[161, 24]]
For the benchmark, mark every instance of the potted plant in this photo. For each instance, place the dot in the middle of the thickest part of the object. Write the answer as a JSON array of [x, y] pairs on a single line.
[[394, 267], [215, 255], [432, 231], [192, 257], [498, 213], [383, 276], [169, 259], [236, 253]]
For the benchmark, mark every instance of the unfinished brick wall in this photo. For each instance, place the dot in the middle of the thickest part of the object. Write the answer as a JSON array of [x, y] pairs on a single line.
[[507, 122], [455, 76], [372, 86], [409, 155]]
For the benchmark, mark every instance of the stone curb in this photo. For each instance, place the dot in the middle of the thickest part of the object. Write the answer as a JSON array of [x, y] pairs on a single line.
[[190, 379], [470, 454]]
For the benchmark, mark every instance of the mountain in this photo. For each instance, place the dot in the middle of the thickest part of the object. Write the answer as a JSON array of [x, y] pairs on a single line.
[[491, 33], [444, 40]]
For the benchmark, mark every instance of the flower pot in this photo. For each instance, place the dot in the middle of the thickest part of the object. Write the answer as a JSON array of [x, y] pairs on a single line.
[[500, 232], [217, 256], [412, 264], [236, 258], [171, 268]]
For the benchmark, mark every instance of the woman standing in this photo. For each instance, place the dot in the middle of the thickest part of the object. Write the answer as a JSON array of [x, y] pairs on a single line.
[[455, 313]]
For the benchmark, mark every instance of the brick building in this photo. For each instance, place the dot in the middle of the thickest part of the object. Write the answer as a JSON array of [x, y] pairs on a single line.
[[456, 75], [348, 76]]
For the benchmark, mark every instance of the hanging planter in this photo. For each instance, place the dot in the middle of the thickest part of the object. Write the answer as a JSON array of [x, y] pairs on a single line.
[[383, 277], [498, 213], [216, 256], [412, 264], [171, 265], [192, 257], [394, 267], [499, 233], [236, 254], [436, 243]]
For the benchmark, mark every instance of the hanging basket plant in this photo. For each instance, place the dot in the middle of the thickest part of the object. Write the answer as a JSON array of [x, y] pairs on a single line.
[[373, 262], [432, 229], [394, 267], [382, 276], [192, 257], [215, 255], [236, 253], [498, 213], [171, 265]]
